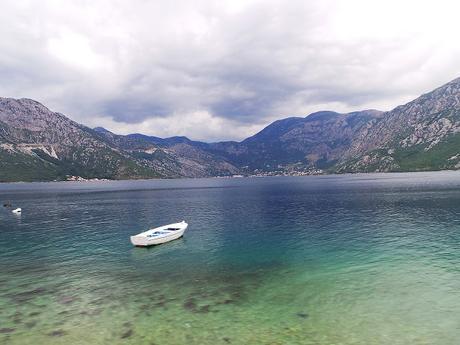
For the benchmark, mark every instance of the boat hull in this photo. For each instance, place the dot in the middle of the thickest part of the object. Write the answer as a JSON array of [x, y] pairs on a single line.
[[143, 241]]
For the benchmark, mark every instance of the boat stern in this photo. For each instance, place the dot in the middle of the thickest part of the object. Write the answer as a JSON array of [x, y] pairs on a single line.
[[138, 241]]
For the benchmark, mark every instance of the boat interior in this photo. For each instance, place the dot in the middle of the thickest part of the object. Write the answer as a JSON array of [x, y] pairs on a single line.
[[162, 232]]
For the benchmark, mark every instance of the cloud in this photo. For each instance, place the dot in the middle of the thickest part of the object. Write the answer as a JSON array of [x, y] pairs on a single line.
[[203, 125], [208, 69]]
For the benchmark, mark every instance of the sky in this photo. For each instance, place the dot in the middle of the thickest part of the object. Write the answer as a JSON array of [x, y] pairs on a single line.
[[222, 70]]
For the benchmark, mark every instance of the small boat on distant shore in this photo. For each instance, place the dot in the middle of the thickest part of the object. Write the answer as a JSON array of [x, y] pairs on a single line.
[[159, 235]]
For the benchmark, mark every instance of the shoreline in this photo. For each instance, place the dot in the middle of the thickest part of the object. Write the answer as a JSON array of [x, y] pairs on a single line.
[[226, 177]]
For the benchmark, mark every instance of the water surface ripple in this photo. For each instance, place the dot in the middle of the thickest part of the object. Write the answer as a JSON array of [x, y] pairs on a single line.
[[352, 259]]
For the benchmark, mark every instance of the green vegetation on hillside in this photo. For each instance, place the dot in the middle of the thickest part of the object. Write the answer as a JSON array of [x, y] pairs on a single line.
[[16, 167], [416, 158], [21, 167]]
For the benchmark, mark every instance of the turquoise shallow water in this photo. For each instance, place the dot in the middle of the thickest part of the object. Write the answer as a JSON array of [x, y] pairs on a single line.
[[352, 259]]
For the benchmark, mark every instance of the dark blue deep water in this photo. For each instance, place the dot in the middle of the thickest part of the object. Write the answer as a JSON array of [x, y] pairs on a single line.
[[351, 259]]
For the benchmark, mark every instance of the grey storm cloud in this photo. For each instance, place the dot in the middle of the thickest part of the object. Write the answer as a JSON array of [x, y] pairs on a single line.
[[222, 69]]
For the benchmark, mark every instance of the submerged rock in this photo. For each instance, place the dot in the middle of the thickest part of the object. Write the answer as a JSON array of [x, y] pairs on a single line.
[[204, 309], [302, 315], [160, 304], [16, 318], [28, 295], [91, 312], [30, 324], [190, 304], [7, 330], [57, 333], [66, 299], [127, 334]]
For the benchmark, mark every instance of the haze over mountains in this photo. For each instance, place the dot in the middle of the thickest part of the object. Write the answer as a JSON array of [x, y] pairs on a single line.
[[37, 144]]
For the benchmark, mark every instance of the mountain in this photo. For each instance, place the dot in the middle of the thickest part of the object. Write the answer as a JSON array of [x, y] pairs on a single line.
[[421, 135], [38, 144], [172, 157], [317, 141]]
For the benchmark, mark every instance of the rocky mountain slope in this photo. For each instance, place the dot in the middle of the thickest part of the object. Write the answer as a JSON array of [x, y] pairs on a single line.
[[172, 157], [420, 135], [317, 141], [38, 144]]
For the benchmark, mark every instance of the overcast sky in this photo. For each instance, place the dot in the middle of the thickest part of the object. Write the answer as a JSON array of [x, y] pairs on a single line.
[[214, 70]]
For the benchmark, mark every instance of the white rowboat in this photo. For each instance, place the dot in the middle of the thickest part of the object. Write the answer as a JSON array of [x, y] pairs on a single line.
[[160, 235]]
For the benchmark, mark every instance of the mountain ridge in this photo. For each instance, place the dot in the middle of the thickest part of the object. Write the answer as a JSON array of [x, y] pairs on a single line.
[[424, 134]]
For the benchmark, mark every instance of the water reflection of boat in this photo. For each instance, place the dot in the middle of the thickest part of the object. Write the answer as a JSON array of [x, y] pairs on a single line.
[[159, 235], [152, 253]]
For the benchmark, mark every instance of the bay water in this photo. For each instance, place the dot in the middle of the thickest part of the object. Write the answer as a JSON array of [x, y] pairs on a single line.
[[342, 259]]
